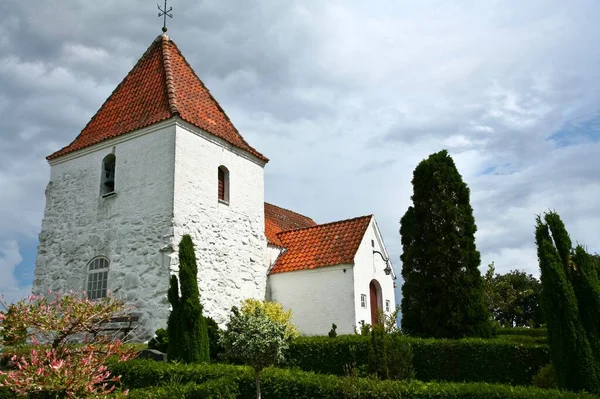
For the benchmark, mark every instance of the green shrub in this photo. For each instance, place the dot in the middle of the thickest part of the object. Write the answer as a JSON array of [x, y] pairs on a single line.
[[332, 333], [160, 342], [220, 388], [278, 383], [471, 360], [531, 332], [545, 378], [216, 349]]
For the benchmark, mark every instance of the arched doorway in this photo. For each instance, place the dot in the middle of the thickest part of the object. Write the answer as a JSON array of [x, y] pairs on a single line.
[[375, 300]]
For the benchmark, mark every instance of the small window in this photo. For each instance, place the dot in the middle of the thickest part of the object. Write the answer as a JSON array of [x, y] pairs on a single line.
[[387, 305], [107, 185], [363, 300], [223, 184], [373, 243], [97, 278]]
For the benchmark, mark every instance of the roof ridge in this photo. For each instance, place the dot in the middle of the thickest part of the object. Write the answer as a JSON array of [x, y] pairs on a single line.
[[326, 224], [116, 89], [289, 210], [217, 103], [169, 80]]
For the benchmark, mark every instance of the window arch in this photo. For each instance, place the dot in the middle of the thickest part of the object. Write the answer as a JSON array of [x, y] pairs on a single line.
[[97, 278], [223, 190], [107, 185]]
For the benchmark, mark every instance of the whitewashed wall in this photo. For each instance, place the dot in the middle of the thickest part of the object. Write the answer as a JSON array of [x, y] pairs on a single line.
[[230, 243], [129, 229], [369, 266], [317, 298]]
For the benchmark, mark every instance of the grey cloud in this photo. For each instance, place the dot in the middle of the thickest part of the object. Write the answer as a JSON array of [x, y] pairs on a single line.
[[332, 92]]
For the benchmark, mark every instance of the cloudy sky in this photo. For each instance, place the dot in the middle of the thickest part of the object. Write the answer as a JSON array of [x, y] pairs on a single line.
[[345, 98]]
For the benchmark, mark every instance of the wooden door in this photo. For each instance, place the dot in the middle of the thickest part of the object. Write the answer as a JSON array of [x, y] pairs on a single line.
[[374, 303]]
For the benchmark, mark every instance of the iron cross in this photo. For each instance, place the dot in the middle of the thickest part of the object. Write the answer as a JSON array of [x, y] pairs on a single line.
[[165, 13]]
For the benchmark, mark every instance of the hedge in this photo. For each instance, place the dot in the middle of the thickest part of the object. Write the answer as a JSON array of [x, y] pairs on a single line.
[[280, 383], [221, 388], [465, 360], [530, 332]]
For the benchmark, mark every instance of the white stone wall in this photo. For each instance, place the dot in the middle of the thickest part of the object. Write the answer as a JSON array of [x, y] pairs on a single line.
[[317, 298], [273, 253], [229, 238], [369, 266], [129, 229]]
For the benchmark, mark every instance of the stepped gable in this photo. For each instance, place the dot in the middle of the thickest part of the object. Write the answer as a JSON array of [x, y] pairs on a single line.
[[161, 85], [279, 219], [322, 245]]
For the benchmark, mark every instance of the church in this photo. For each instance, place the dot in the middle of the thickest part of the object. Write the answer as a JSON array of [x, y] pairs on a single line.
[[161, 159]]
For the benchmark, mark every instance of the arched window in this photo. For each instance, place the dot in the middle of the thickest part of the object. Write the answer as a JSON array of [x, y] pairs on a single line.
[[223, 184], [97, 278], [107, 185]]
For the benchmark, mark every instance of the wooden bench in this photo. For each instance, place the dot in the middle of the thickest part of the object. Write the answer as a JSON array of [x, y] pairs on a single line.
[[119, 324]]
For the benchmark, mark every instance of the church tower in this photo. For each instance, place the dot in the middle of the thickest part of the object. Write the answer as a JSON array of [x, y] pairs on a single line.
[[158, 160]]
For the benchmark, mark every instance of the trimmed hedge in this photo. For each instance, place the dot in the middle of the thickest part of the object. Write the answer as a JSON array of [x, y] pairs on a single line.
[[221, 388], [465, 360], [279, 383], [530, 332]]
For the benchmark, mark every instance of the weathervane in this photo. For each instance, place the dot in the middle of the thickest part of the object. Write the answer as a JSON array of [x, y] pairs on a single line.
[[165, 13]]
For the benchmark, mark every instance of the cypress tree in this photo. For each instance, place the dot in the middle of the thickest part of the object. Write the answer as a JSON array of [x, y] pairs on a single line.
[[442, 295], [188, 335], [570, 349]]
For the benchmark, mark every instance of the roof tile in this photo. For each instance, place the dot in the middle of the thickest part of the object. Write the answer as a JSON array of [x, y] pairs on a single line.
[[321, 245], [279, 219], [161, 85]]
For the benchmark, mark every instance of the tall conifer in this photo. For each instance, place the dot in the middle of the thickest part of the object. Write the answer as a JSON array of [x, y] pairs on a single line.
[[563, 300], [188, 335], [442, 295]]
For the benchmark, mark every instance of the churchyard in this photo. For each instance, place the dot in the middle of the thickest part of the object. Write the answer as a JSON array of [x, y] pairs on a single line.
[[485, 339]]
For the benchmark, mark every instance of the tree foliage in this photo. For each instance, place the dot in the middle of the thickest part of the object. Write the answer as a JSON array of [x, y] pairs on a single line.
[[570, 299], [275, 312], [62, 358], [442, 295], [255, 339], [187, 331], [513, 299]]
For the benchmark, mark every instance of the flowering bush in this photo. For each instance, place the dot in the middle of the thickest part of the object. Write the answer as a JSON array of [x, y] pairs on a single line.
[[66, 358]]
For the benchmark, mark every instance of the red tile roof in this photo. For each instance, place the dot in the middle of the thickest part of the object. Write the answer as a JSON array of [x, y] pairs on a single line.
[[279, 219], [161, 85], [322, 245]]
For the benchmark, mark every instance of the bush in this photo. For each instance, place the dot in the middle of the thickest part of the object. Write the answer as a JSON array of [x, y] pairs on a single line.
[[160, 342], [216, 349], [545, 378], [332, 333], [277, 383], [531, 332], [220, 388], [471, 360]]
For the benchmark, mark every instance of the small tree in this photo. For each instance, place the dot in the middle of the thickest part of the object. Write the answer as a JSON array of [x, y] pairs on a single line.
[[442, 295], [62, 357], [188, 336], [275, 312], [513, 298], [255, 340]]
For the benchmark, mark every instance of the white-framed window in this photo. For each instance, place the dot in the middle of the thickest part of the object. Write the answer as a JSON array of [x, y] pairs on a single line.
[[363, 300], [107, 183], [387, 305], [223, 190], [97, 278]]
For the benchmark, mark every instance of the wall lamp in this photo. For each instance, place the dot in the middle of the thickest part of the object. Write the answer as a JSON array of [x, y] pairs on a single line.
[[388, 269]]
